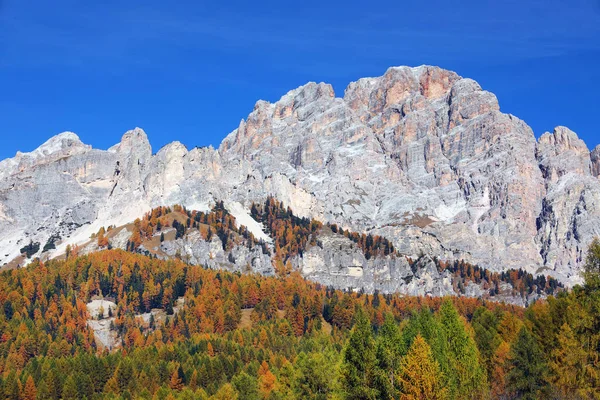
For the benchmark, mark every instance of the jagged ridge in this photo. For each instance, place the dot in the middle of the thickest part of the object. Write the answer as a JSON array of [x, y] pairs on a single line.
[[420, 156]]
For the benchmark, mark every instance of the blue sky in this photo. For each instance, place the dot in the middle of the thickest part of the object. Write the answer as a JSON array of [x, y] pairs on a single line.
[[190, 70]]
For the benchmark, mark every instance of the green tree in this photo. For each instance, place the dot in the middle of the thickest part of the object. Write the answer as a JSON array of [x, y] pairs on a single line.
[[485, 326], [313, 378], [43, 393], [12, 390], [70, 391], [246, 386], [359, 368], [54, 383], [390, 345], [464, 357], [591, 269], [527, 376]]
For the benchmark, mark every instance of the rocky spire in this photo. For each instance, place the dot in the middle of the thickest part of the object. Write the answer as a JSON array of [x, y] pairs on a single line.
[[595, 157]]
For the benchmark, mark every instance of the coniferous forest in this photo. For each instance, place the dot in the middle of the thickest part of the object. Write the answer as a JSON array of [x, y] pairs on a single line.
[[185, 332]]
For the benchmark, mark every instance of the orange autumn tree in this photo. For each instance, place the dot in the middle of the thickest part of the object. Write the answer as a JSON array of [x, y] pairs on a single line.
[[420, 376]]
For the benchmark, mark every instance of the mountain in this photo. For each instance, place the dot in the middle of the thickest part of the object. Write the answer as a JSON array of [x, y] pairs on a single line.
[[420, 156]]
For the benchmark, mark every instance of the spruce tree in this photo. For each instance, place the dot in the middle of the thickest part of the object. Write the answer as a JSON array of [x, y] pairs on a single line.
[[464, 357], [70, 391], [591, 269], [359, 368], [390, 347], [527, 376]]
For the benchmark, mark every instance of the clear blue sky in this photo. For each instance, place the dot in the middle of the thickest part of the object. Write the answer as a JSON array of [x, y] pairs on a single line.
[[190, 71]]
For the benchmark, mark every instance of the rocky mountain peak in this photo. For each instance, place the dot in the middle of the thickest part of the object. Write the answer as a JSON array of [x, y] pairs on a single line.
[[561, 152], [64, 143], [419, 155]]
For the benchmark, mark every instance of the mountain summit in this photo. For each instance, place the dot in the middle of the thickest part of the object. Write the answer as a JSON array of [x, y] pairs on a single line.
[[420, 156]]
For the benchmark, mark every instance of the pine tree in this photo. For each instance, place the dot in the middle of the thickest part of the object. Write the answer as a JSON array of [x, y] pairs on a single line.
[[389, 353], [12, 387], [527, 376], [42, 392], [359, 366], [246, 386], [70, 391], [464, 357], [54, 383], [420, 376], [226, 392], [313, 380]]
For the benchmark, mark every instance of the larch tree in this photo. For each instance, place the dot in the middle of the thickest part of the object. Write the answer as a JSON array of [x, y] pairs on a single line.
[[567, 363], [420, 376]]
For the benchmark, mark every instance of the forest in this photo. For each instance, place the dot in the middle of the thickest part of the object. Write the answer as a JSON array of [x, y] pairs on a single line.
[[245, 336], [293, 235]]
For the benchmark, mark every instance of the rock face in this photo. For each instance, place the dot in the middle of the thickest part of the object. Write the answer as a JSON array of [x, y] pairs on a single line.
[[419, 155], [595, 158]]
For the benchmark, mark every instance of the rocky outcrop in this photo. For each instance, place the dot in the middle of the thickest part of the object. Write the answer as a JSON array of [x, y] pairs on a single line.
[[595, 158], [419, 155]]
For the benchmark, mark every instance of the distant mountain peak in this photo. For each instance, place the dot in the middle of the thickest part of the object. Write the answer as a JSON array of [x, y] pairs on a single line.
[[419, 155]]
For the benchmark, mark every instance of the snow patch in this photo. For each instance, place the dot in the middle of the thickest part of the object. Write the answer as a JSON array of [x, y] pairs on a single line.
[[243, 217], [355, 272], [445, 212], [201, 206], [480, 208]]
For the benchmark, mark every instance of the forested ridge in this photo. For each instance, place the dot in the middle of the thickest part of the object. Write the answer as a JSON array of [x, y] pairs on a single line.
[[253, 337], [293, 235]]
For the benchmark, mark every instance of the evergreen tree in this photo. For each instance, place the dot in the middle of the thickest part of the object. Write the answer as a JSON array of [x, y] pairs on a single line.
[[420, 376], [246, 386], [70, 391], [12, 387], [226, 392], [591, 269], [42, 392], [390, 347], [359, 368], [313, 380], [527, 376], [485, 326], [54, 383], [464, 357]]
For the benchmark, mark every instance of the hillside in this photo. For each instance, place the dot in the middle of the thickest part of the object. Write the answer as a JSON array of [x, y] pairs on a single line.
[[114, 324], [280, 242]]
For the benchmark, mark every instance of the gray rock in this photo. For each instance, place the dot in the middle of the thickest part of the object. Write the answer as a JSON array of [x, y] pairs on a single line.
[[595, 158], [419, 155]]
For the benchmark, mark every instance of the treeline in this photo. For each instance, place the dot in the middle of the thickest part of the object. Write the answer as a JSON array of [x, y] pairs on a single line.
[[302, 340]]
